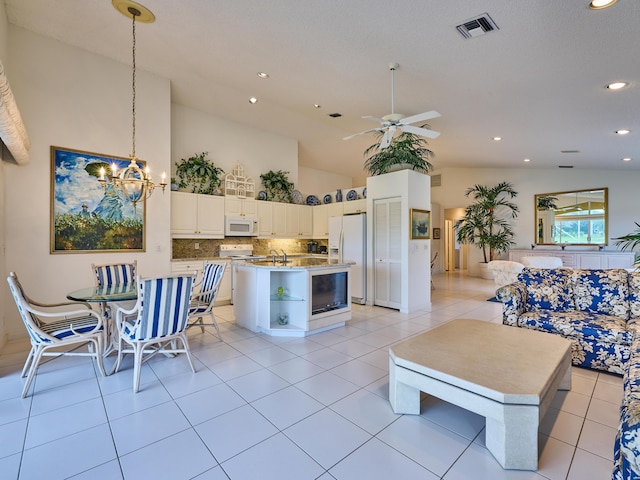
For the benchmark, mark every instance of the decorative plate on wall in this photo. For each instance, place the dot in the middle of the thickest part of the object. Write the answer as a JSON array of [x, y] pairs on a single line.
[[352, 195], [327, 198], [313, 200], [297, 197], [262, 195]]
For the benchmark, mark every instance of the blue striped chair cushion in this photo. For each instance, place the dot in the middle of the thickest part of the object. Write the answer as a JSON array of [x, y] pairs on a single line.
[[164, 307], [210, 279], [63, 328], [115, 274]]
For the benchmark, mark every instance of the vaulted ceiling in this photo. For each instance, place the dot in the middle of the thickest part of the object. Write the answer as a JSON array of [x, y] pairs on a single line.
[[538, 80]]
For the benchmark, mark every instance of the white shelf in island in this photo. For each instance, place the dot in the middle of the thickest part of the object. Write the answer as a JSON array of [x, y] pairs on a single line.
[[300, 298]]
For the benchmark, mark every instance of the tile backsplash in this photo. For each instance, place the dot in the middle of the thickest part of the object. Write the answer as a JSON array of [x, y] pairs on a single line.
[[184, 248]]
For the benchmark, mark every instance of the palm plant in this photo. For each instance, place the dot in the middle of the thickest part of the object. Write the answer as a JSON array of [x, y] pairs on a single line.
[[484, 223], [630, 241], [407, 148]]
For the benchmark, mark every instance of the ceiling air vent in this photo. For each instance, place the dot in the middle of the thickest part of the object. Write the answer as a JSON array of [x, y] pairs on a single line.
[[477, 26], [436, 180]]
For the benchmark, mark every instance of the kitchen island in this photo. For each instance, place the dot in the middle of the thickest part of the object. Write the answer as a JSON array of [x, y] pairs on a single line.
[[298, 298]]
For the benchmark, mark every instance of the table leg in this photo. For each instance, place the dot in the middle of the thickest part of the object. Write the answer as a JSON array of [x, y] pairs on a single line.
[[403, 398], [514, 441]]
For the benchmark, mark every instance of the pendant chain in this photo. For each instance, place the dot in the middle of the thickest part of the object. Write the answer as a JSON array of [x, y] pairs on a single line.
[[133, 88]]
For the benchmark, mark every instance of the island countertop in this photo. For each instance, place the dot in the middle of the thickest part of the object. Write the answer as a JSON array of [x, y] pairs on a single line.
[[297, 263]]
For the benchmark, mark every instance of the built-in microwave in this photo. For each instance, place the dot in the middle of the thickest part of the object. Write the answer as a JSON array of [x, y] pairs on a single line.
[[240, 226]]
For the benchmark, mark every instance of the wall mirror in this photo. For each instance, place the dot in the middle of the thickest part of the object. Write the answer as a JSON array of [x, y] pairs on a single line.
[[571, 218]]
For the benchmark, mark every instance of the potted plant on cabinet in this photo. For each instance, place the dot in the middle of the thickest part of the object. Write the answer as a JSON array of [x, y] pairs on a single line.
[[406, 151], [199, 174], [485, 224], [277, 186]]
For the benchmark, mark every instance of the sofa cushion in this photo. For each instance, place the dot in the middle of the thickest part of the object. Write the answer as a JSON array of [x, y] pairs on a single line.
[[547, 289], [634, 294], [593, 326], [601, 291]]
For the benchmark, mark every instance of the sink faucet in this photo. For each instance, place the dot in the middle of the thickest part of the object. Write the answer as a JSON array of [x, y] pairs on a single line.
[[284, 256], [275, 254]]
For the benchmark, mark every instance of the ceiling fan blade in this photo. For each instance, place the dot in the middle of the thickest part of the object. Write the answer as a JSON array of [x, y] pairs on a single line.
[[386, 138], [362, 133], [420, 117], [369, 117], [423, 132]]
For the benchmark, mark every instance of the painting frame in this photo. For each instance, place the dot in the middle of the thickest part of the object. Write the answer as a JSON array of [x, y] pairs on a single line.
[[420, 224], [89, 216], [436, 233]]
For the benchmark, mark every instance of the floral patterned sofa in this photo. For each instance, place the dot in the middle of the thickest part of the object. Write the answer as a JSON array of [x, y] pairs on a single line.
[[599, 311]]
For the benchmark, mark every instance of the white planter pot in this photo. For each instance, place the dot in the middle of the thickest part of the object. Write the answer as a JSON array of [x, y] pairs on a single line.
[[484, 271]]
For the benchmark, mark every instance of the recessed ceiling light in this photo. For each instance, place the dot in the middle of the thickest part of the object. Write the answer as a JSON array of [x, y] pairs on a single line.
[[253, 100], [622, 131], [617, 85], [497, 139], [263, 75], [626, 159], [317, 105], [598, 4], [526, 160]]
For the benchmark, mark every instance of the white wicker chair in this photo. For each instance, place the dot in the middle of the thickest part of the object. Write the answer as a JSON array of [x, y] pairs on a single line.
[[54, 326], [160, 321], [203, 300], [504, 272]]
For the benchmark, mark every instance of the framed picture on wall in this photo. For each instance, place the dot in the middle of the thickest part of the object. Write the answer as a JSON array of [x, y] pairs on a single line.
[[87, 216], [436, 233], [420, 224]]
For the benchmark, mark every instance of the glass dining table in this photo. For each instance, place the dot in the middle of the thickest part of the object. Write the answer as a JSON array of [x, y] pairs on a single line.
[[104, 295]]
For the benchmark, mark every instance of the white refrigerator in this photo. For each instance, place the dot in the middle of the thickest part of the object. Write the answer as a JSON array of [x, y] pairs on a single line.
[[348, 242]]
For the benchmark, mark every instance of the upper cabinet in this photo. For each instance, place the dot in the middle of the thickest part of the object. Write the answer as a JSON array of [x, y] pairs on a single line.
[[355, 206], [240, 207], [285, 220], [299, 221], [321, 215], [197, 216]]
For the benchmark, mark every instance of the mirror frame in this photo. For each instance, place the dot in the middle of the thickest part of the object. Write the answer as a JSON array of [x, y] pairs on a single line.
[[537, 219]]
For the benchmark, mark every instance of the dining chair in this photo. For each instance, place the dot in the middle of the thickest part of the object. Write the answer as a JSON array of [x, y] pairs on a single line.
[[433, 263], [56, 325], [156, 322], [203, 299], [115, 273]]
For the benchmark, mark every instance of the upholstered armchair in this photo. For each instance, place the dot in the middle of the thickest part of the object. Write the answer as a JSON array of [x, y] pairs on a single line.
[[504, 272]]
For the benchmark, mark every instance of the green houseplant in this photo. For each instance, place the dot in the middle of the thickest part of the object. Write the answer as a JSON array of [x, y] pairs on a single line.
[[199, 174], [277, 186], [630, 241], [484, 223], [407, 150]]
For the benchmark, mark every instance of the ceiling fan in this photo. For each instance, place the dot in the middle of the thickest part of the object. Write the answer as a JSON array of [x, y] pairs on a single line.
[[394, 121]]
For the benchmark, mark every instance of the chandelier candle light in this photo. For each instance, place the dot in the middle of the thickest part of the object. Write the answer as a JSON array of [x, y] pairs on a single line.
[[134, 182]]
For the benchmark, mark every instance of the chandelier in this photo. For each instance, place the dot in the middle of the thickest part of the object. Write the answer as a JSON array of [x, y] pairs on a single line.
[[133, 181]]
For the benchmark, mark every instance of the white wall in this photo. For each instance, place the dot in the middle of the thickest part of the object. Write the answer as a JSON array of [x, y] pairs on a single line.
[[312, 181], [624, 195], [230, 143], [71, 98]]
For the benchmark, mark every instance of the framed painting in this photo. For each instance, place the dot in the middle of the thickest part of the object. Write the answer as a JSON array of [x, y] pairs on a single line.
[[420, 224], [87, 216], [436, 233]]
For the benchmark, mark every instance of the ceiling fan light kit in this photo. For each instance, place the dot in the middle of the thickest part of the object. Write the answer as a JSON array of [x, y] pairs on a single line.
[[392, 122]]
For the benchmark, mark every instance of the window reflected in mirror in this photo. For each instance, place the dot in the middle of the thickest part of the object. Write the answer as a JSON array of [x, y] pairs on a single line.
[[571, 218]]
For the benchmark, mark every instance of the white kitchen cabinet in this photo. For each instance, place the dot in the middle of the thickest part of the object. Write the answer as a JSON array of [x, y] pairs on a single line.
[[299, 221], [182, 267], [272, 219], [355, 206], [321, 215], [197, 216], [240, 207]]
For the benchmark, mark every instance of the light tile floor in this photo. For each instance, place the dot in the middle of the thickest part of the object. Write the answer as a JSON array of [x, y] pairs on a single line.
[[273, 408]]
